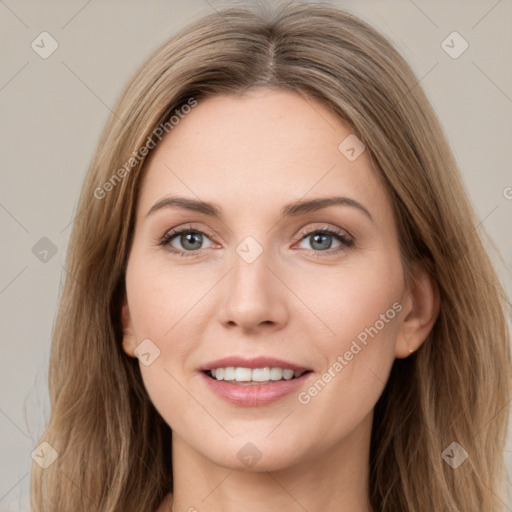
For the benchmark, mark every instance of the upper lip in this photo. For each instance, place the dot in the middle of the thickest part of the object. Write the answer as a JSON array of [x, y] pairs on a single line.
[[254, 362]]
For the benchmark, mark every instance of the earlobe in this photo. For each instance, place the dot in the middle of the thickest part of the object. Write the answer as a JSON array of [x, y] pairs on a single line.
[[420, 313], [128, 336]]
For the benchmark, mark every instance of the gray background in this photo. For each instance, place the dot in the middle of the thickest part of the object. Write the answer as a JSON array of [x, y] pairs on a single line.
[[53, 110]]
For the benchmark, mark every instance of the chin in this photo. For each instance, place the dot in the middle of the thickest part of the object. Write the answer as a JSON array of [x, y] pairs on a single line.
[[258, 456]]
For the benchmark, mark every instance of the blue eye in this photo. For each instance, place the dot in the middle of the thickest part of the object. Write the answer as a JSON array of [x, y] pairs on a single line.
[[191, 240], [321, 240]]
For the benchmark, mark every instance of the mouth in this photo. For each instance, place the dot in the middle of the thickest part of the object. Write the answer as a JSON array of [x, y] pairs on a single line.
[[240, 375], [253, 382]]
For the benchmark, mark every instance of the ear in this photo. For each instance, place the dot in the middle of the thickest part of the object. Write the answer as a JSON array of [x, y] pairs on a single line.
[[420, 310], [129, 339]]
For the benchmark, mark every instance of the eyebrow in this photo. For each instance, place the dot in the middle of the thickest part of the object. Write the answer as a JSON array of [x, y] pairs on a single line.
[[295, 209]]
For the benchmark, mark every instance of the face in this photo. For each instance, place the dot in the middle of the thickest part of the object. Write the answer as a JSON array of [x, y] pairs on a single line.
[[264, 278]]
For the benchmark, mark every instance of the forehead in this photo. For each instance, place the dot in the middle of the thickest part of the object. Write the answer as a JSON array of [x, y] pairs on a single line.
[[257, 151]]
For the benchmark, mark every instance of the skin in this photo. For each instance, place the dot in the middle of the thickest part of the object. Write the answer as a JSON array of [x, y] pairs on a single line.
[[251, 155]]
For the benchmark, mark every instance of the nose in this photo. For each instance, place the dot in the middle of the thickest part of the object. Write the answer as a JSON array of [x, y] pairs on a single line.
[[254, 297]]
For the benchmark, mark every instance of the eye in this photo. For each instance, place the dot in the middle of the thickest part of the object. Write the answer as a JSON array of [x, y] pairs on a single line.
[[186, 241], [189, 241], [321, 240]]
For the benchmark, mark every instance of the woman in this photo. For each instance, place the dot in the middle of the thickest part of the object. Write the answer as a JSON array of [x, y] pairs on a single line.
[[278, 297]]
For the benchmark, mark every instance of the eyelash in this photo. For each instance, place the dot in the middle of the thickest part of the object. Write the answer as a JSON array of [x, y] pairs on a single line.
[[345, 241]]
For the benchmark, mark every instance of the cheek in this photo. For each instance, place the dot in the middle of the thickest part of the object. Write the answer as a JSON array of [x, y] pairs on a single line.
[[363, 310], [158, 310], [355, 301], [163, 299]]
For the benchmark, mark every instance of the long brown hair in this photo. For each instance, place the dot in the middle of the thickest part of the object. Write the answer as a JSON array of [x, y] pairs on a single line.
[[114, 449]]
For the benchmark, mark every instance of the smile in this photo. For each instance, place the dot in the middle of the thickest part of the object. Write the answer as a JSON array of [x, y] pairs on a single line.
[[253, 375], [253, 382]]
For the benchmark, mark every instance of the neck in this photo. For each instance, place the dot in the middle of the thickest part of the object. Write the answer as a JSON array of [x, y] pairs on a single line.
[[336, 480]]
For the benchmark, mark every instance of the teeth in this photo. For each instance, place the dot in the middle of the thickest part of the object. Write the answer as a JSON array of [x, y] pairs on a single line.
[[261, 374], [229, 373], [243, 374], [287, 374], [254, 374], [276, 373]]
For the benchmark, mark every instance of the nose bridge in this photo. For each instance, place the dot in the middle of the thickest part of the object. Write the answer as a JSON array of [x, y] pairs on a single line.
[[252, 297]]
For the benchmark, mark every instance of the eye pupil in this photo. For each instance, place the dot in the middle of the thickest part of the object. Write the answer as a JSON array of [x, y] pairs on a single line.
[[188, 238], [317, 238]]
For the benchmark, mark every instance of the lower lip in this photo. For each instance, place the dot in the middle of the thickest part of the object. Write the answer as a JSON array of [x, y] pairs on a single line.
[[254, 395]]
